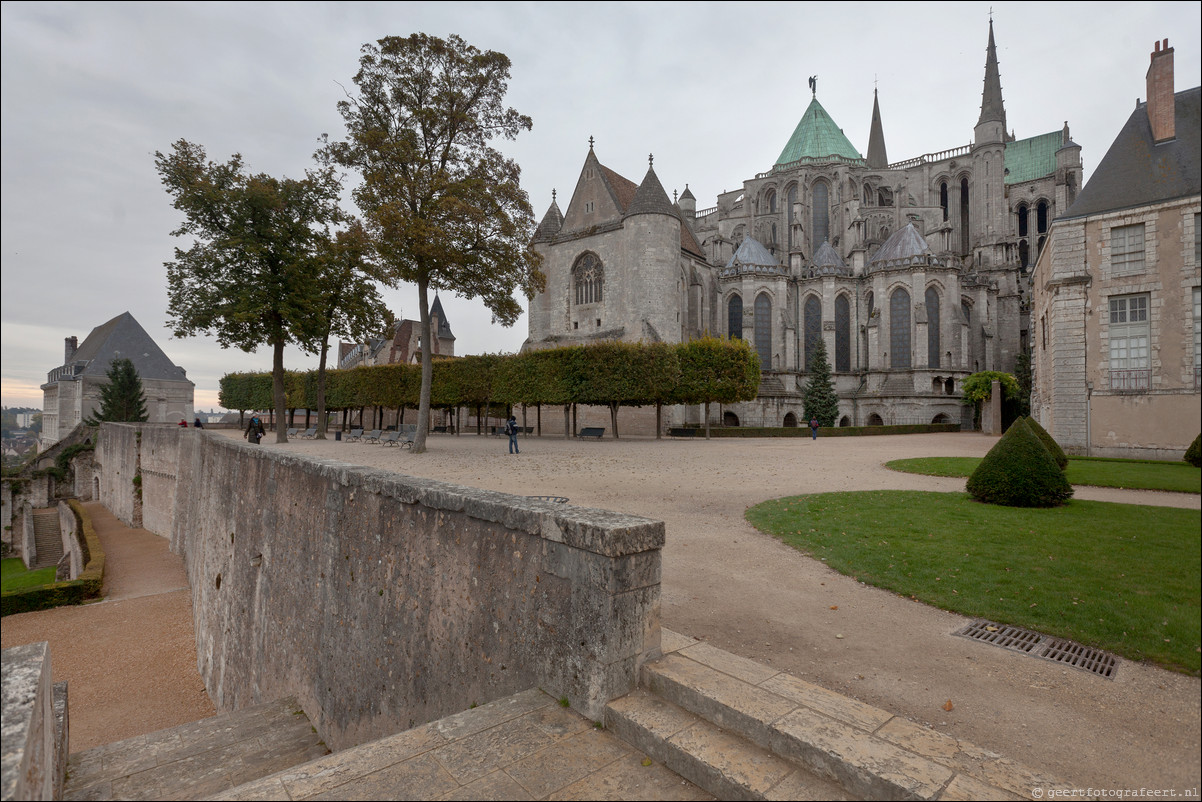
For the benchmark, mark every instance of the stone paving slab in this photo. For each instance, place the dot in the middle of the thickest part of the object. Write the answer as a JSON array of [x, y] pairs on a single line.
[[197, 759], [524, 746]]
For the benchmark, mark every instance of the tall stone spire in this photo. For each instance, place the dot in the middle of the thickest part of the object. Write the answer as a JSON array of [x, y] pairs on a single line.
[[877, 158], [992, 110]]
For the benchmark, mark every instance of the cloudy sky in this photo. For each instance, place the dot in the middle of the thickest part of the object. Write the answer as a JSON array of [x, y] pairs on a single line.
[[92, 90]]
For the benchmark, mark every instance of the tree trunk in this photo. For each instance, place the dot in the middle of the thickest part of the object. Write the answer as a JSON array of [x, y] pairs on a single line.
[[567, 421], [707, 420], [613, 417], [322, 418], [277, 388], [659, 408], [538, 417], [423, 408]]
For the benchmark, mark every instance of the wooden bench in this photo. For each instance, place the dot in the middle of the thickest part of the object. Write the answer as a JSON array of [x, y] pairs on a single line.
[[595, 432]]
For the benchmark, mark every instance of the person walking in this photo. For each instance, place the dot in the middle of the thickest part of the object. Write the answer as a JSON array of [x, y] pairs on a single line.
[[254, 431], [511, 429], [814, 428]]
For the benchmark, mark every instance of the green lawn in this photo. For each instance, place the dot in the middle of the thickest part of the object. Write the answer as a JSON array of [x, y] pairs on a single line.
[[1179, 477], [1120, 577], [14, 575]]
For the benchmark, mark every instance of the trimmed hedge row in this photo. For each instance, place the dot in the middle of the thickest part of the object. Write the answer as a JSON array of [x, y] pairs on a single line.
[[75, 591], [832, 431], [607, 373]]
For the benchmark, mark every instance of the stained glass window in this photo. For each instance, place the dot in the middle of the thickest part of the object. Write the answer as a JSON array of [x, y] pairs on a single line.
[[734, 318], [588, 275], [822, 213], [813, 328], [899, 329], [763, 330], [932, 327], [842, 334]]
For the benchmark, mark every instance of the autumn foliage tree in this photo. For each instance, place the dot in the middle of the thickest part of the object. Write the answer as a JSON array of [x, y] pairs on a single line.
[[250, 275], [444, 208]]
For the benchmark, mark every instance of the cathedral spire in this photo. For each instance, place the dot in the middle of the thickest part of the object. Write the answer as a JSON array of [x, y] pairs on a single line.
[[992, 110], [877, 158]]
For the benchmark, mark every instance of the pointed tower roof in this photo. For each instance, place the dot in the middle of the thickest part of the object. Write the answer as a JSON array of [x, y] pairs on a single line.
[[905, 246], [650, 198], [877, 158], [689, 194], [752, 254], [551, 223], [444, 328], [827, 262], [817, 137], [992, 109]]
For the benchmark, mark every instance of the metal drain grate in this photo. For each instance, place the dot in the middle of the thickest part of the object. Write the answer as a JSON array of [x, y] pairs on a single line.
[[1056, 650]]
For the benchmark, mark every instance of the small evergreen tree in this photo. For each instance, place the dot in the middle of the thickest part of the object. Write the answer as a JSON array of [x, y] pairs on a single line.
[[821, 401], [121, 399], [1048, 442]]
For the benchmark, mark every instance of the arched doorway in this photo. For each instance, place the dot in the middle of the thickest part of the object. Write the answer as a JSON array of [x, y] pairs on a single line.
[[790, 421], [730, 419]]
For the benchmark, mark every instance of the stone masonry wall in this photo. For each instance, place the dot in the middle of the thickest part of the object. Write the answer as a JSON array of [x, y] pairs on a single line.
[[117, 463], [384, 601]]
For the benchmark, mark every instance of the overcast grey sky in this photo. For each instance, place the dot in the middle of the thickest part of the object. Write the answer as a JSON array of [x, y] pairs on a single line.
[[92, 90]]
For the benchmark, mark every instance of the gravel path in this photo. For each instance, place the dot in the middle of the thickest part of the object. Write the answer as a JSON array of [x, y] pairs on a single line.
[[132, 664]]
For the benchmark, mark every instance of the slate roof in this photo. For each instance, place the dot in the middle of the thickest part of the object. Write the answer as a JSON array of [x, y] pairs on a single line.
[[992, 108], [551, 223], [751, 252], [124, 338], [444, 328], [878, 157], [623, 188], [650, 197], [904, 245], [1138, 172], [817, 137], [827, 262]]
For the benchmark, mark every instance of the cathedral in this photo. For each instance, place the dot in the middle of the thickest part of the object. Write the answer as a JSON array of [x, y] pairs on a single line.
[[912, 273]]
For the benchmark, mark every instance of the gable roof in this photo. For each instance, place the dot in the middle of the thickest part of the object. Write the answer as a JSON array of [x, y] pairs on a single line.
[[817, 137], [622, 188], [1137, 172], [124, 338]]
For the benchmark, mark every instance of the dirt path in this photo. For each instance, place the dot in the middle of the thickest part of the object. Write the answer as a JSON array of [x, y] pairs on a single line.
[[130, 660], [746, 592]]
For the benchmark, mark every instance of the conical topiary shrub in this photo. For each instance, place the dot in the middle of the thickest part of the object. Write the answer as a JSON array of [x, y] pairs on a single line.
[[1019, 472], [1050, 444], [1193, 454]]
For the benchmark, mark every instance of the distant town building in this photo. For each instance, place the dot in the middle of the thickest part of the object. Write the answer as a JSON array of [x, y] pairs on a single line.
[[72, 391], [1117, 291], [403, 345]]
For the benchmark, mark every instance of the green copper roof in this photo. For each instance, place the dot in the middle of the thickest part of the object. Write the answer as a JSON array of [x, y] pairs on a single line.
[[1029, 159], [817, 137]]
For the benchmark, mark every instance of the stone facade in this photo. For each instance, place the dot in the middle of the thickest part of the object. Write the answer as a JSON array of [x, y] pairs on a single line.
[[1117, 291], [799, 253]]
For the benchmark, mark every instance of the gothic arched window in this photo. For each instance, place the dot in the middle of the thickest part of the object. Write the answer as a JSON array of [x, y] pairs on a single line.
[[588, 276], [789, 213], [763, 330], [813, 328], [842, 334], [771, 199], [932, 300], [899, 329], [734, 318], [821, 202]]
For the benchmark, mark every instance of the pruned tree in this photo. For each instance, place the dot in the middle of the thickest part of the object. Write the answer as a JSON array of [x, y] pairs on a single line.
[[250, 277], [349, 304], [444, 208], [121, 399], [821, 400]]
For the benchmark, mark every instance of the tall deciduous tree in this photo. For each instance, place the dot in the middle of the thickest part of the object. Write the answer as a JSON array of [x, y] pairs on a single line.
[[349, 304], [445, 209], [122, 398], [821, 401], [250, 277]]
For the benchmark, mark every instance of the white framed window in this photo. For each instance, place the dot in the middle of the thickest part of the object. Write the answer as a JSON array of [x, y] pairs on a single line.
[[1127, 250], [1130, 339]]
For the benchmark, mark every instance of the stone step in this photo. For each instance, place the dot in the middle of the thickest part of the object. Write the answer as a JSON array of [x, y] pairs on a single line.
[[525, 746], [723, 763], [47, 538], [867, 752], [199, 759]]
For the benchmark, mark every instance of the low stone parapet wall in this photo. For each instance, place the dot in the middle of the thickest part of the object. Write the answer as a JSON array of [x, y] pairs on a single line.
[[30, 764], [383, 601]]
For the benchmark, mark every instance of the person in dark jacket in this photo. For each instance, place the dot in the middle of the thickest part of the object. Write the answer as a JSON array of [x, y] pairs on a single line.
[[511, 429], [254, 431]]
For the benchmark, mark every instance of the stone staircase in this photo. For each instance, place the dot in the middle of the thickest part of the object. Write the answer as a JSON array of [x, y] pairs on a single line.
[[48, 537], [704, 724], [196, 760]]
